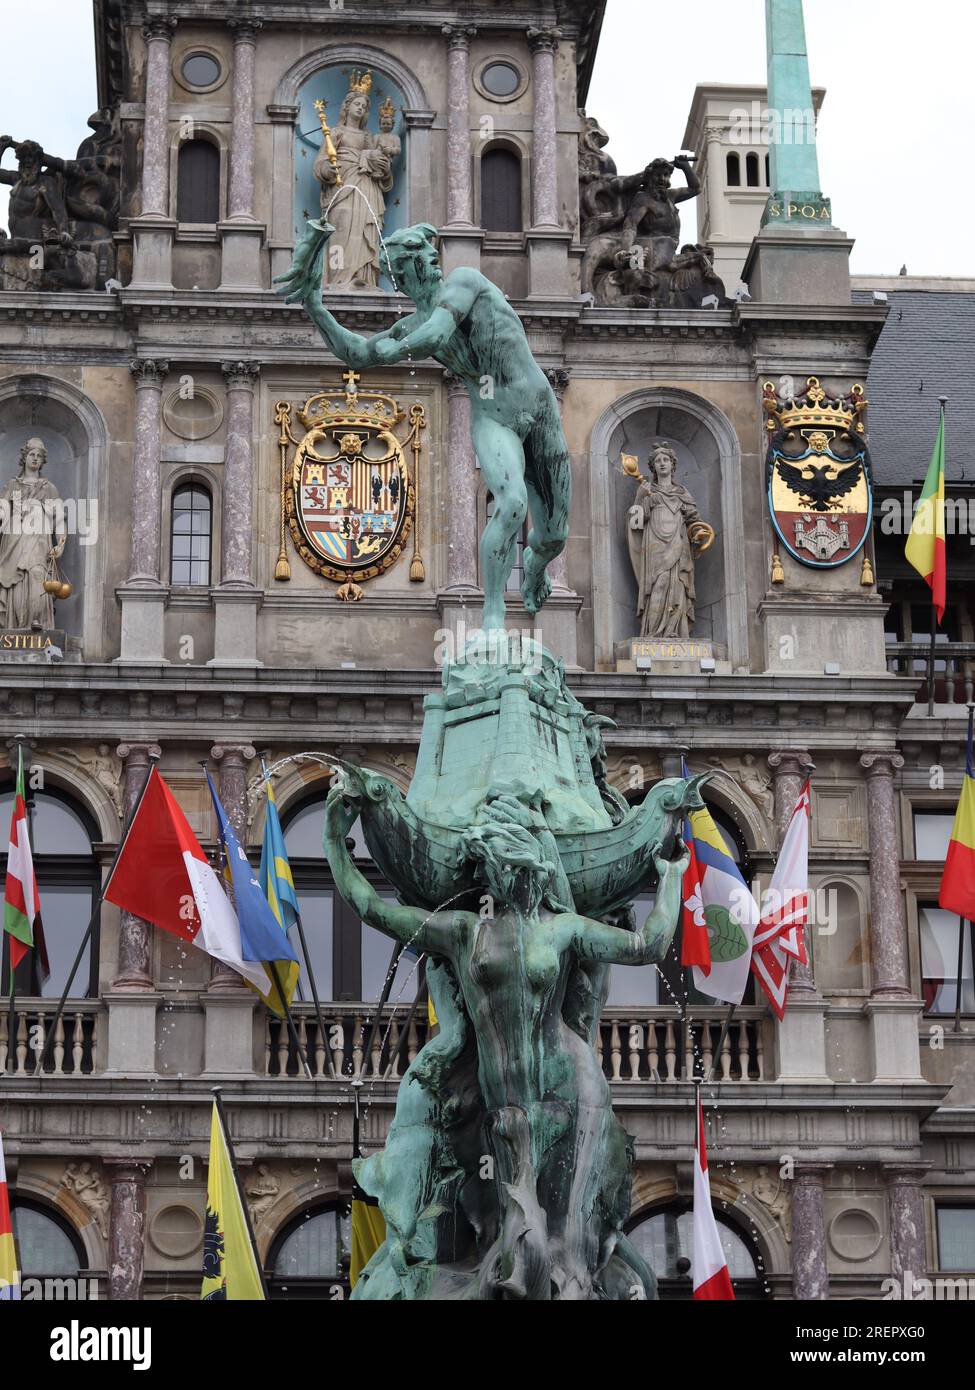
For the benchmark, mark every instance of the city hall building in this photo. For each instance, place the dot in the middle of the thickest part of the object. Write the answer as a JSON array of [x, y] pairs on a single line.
[[195, 617]]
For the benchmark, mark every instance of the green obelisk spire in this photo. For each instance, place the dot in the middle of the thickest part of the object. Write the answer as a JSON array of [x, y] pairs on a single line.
[[796, 195]]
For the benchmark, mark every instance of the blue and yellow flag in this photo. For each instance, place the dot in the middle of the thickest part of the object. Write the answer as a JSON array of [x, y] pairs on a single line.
[[277, 884], [230, 1268], [261, 935]]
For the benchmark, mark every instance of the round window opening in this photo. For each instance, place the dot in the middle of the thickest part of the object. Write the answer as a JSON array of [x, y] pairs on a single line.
[[501, 79], [200, 70]]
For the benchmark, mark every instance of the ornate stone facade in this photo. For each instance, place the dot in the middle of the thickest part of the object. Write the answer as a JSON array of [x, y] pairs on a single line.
[[240, 664]]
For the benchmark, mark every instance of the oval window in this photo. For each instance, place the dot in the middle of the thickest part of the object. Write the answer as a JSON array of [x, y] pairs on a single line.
[[501, 79], [200, 70]]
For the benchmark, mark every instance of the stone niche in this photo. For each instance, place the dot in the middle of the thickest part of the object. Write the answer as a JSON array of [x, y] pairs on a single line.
[[28, 409], [708, 465]]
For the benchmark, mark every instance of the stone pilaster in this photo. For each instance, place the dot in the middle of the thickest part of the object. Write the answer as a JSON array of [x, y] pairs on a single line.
[[241, 234], [810, 1274], [905, 1215], [284, 118], [460, 240], [892, 1012], [462, 488], [236, 600], [801, 1036], [548, 242], [152, 264], [126, 1227], [144, 595]]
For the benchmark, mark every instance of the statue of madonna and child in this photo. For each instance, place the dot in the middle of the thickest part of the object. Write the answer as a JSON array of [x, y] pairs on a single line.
[[505, 1174]]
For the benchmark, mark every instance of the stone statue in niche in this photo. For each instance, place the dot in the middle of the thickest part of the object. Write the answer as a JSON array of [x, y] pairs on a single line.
[[664, 531], [63, 213], [355, 170], [32, 539], [631, 230]]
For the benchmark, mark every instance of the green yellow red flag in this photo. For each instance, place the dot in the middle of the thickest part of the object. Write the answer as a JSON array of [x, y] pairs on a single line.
[[230, 1268], [925, 549], [958, 880]]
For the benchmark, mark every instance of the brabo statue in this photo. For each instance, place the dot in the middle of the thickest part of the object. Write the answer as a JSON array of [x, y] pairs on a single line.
[[466, 323], [505, 1174]]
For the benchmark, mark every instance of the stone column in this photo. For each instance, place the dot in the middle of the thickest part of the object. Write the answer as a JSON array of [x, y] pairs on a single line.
[[134, 962], [229, 1004], [717, 177], [144, 595], [545, 191], [548, 243], [460, 240], [462, 489], [888, 932], [801, 1036], [153, 230], [241, 235], [236, 600], [127, 1227], [810, 1275], [905, 1213], [558, 570], [892, 1011]]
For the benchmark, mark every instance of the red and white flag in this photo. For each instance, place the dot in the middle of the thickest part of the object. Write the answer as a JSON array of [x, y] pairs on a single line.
[[709, 1267], [163, 876], [785, 908]]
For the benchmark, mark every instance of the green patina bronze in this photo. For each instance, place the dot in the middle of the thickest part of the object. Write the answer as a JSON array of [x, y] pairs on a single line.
[[506, 1174], [794, 165]]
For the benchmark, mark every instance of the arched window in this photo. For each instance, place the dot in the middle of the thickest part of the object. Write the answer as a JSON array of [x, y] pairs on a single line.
[[733, 164], [665, 1239], [198, 182], [751, 170], [191, 535], [68, 882], [311, 1255], [350, 959], [501, 190], [48, 1248], [644, 986]]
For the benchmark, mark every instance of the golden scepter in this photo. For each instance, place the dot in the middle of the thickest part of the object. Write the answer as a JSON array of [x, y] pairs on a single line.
[[330, 149]]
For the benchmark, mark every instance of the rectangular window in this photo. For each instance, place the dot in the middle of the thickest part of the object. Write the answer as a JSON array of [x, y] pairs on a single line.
[[932, 831], [316, 918], [956, 1238], [637, 986], [939, 961]]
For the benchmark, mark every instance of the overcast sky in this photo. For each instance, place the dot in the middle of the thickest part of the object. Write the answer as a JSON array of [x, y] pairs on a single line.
[[893, 153]]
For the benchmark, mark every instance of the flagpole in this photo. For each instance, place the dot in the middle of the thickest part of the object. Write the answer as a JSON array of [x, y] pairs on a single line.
[[218, 1101], [728, 1018], [942, 401], [129, 821]]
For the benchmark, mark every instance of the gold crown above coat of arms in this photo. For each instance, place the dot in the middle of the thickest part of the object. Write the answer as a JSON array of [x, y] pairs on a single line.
[[815, 408]]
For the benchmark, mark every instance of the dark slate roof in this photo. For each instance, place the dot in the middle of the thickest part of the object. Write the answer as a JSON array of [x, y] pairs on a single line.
[[926, 350]]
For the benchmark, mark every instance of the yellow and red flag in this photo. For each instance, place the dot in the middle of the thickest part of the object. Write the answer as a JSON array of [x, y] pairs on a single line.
[[925, 549], [9, 1273], [958, 880]]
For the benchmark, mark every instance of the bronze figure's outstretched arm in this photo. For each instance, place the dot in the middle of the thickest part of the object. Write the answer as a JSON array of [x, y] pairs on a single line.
[[614, 946], [426, 931]]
